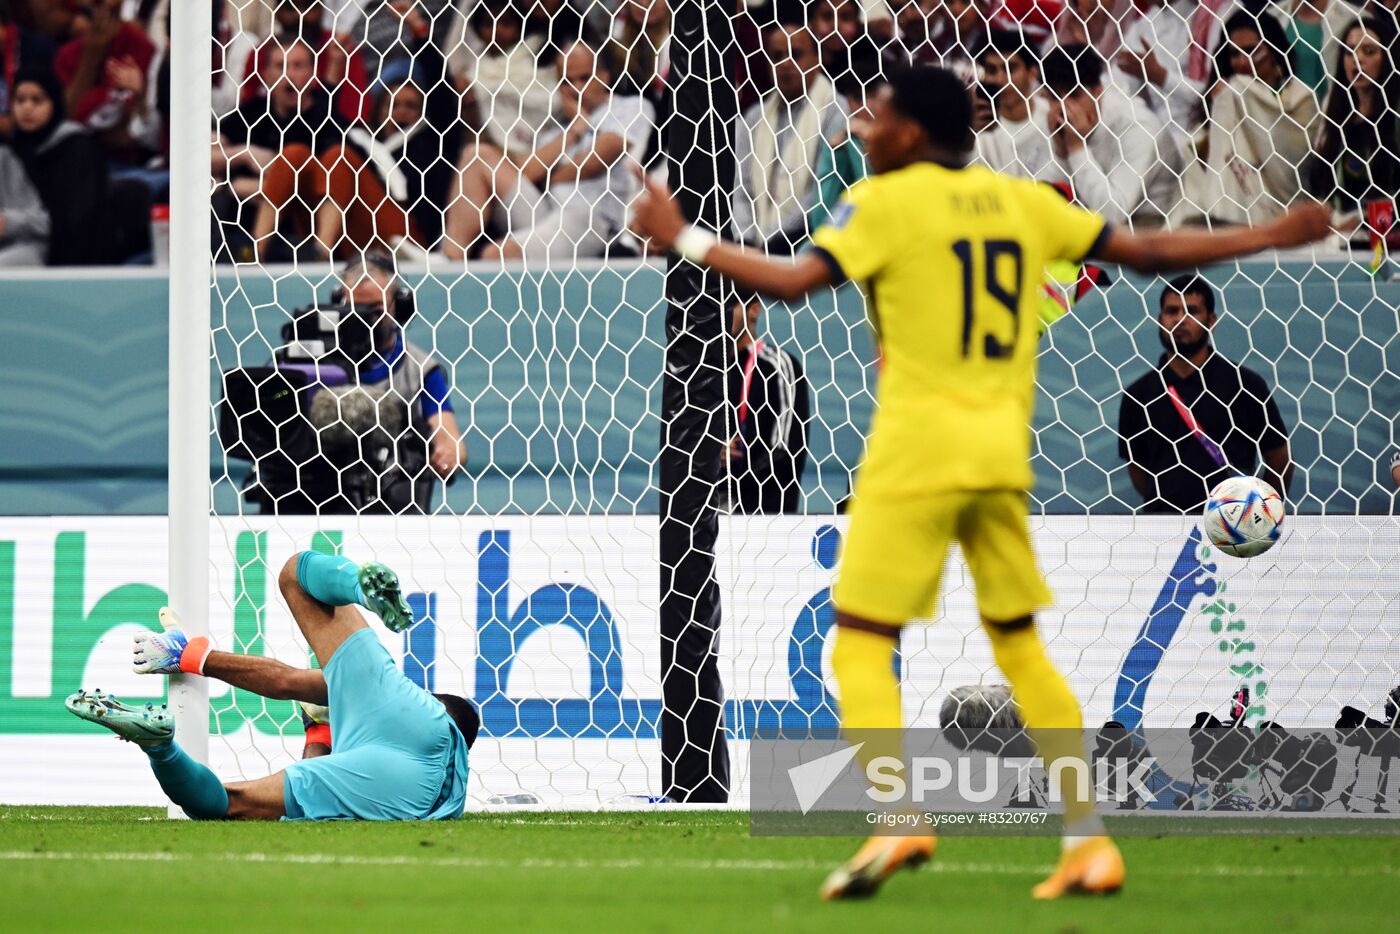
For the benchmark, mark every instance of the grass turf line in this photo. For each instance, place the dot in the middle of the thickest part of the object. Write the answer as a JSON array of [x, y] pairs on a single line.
[[119, 869]]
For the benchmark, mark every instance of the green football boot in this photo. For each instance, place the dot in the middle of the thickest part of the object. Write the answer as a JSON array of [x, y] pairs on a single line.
[[384, 596], [149, 723]]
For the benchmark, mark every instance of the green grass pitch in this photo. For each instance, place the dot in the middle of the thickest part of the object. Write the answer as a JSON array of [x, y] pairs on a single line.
[[128, 869]]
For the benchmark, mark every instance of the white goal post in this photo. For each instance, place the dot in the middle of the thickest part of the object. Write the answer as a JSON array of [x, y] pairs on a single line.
[[191, 264], [536, 570]]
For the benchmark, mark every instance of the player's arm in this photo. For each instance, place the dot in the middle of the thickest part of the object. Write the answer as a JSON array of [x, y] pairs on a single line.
[[1278, 468], [1162, 251], [1140, 480], [267, 677], [658, 218], [783, 279], [171, 652], [448, 451]]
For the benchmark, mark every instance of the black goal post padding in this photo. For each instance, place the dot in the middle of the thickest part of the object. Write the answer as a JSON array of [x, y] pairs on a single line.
[[698, 140]]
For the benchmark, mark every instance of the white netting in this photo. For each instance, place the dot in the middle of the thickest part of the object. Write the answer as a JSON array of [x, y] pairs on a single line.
[[442, 137]]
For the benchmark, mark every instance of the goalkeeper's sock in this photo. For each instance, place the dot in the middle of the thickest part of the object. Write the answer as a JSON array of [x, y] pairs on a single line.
[[331, 579], [870, 711], [190, 785], [1051, 715]]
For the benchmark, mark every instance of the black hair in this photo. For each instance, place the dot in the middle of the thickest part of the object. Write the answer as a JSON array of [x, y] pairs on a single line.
[[1270, 32], [1070, 66], [1345, 122], [491, 12], [937, 100], [464, 714], [46, 79], [27, 143], [860, 73], [1189, 284], [383, 96], [1009, 44]]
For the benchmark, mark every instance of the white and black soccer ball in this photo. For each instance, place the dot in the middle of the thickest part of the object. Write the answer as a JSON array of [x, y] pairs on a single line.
[[1243, 517]]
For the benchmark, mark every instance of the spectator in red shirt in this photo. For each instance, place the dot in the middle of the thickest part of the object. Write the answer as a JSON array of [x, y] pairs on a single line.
[[103, 70], [1034, 18]]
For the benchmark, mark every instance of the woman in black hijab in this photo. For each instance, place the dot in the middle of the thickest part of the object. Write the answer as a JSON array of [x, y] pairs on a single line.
[[66, 165]]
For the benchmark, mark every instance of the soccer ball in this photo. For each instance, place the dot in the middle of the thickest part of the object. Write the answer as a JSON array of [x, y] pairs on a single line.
[[1243, 516]]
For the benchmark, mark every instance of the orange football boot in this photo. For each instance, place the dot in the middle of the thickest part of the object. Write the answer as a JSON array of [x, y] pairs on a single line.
[[876, 861], [1094, 867]]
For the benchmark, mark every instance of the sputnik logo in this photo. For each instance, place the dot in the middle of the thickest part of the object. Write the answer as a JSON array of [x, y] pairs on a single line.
[[810, 780]]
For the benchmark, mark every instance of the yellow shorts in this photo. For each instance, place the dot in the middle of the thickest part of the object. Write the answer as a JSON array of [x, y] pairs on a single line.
[[893, 556]]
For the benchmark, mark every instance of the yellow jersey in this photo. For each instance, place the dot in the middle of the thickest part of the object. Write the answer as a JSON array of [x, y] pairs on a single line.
[[953, 264]]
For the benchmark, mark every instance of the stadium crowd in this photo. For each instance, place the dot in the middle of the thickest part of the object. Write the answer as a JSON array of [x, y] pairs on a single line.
[[484, 128]]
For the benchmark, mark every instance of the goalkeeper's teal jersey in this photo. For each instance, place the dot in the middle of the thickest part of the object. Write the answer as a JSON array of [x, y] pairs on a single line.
[[397, 754]]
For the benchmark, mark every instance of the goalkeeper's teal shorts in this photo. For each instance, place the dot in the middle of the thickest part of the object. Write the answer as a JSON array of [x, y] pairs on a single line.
[[396, 754]]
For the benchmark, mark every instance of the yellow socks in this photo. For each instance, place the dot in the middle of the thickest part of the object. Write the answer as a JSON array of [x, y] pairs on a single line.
[[870, 706], [1050, 712], [864, 666]]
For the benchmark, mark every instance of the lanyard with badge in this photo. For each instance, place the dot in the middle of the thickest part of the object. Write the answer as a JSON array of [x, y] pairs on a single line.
[[749, 365], [1211, 448], [728, 492]]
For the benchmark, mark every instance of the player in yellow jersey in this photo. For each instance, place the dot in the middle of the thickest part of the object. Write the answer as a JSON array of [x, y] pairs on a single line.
[[952, 259]]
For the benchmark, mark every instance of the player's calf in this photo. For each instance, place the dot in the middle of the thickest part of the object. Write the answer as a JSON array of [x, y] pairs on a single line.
[[334, 580], [188, 783], [258, 799]]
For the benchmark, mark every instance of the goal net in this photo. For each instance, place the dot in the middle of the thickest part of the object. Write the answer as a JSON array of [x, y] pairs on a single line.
[[614, 487]]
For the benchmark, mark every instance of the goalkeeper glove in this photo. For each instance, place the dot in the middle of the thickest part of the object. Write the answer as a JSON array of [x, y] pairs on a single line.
[[170, 652], [313, 714], [316, 721]]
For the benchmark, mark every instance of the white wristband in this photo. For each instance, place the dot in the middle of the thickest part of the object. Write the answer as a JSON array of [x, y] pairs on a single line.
[[693, 243]]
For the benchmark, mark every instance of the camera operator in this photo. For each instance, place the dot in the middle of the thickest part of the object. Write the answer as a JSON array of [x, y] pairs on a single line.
[[353, 418], [1372, 739], [370, 289]]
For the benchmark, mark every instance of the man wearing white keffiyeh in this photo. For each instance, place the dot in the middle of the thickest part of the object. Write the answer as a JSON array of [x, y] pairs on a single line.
[[778, 140]]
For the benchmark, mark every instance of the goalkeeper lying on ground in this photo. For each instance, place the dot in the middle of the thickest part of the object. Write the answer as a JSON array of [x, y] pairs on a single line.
[[400, 753]]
